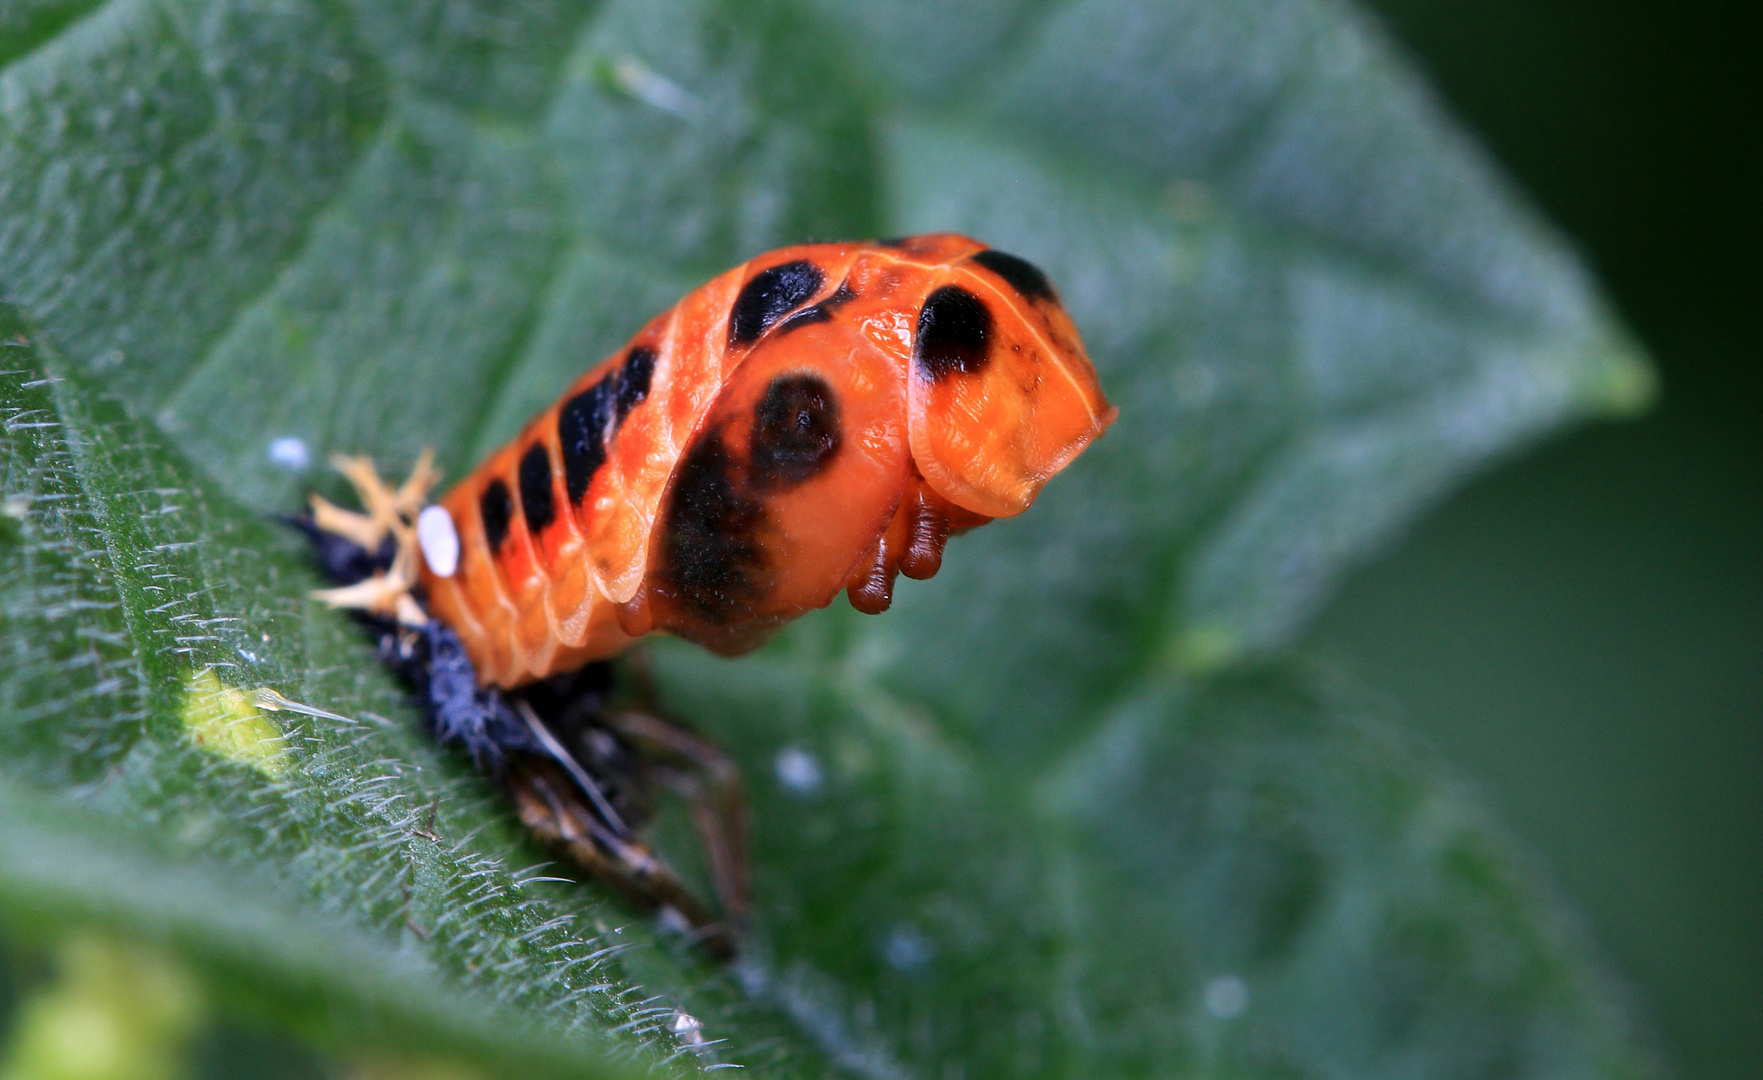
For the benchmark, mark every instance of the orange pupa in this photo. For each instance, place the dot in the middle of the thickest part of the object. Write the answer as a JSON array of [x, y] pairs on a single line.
[[819, 419]]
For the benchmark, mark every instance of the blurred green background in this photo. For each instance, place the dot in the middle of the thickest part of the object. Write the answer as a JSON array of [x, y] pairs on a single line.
[[1581, 631]]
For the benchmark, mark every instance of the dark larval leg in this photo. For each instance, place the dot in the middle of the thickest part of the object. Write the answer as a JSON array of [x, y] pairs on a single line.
[[580, 773]]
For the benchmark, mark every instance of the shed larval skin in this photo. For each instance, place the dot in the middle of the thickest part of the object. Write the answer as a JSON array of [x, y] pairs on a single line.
[[818, 419]]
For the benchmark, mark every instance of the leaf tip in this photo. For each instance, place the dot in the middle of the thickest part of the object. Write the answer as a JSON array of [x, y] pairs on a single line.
[[1622, 382]]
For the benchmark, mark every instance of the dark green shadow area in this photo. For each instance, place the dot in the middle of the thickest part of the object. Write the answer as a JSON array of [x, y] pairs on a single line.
[[1581, 631]]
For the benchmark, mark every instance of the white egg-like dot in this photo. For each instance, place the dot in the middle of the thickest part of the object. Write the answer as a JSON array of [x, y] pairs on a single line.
[[438, 539], [798, 771], [1226, 997], [907, 948], [290, 453]]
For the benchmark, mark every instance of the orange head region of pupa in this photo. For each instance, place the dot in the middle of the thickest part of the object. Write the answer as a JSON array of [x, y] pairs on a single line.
[[1001, 394], [885, 398]]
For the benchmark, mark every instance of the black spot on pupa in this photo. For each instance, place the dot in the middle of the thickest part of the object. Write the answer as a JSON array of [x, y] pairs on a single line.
[[535, 488], [795, 432], [895, 241], [769, 296], [819, 313], [633, 381], [1023, 276], [714, 559], [581, 432], [953, 331], [496, 508]]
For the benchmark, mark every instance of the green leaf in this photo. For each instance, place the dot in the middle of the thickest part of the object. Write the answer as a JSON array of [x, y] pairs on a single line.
[[1071, 809], [1242, 877]]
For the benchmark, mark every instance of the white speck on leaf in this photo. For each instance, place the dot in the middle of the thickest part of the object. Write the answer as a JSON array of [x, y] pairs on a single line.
[[798, 771], [687, 1028], [290, 453], [1226, 997], [642, 82], [908, 948]]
